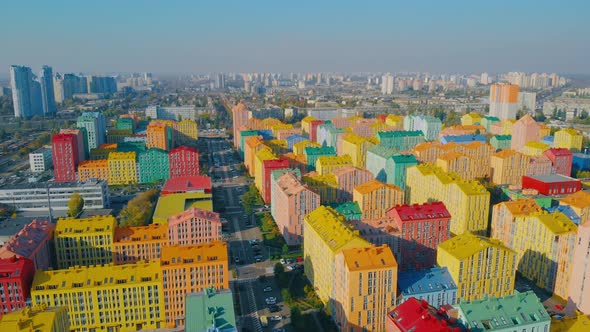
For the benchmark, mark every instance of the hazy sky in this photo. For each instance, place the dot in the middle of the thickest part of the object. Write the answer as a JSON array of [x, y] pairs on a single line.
[[170, 36]]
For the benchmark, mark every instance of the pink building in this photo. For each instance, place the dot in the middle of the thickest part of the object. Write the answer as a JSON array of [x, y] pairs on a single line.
[[340, 122], [561, 160], [348, 178], [579, 287], [194, 226], [539, 165], [184, 161], [363, 128], [421, 228], [313, 129], [240, 117], [292, 201], [32, 242], [524, 130], [268, 166]]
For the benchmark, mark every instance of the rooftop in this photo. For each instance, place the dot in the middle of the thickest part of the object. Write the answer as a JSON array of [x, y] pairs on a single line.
[[580, 199], [198, 254], [381, 151], [399, 133], [210, 309], [141, 233], [521, 207], [420, 212], [559, 152], [40, 318], [552, 178], [334, 160], [419, 316], [373, 185], [468, 244], [317, 150], [187, 184], [435, 279], [172, 204], [556, 222], [369, 258], [26, 241], [95, 224], [333, 228], [503, 137], [54, 185]]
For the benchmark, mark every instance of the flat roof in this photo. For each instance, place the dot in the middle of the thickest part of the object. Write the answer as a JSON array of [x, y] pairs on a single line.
[[551, 178], [435, 279]]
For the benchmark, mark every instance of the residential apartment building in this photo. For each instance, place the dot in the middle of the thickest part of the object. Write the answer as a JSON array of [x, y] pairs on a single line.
[[93, 170], [153, 165], [525, 130], [376, 161], [347, 179], [579, 281], [508, 167], [504, 101], [39, 318], [64, 152], [16, 277], [569, 138], [329, 164], [160, 135], [122, 168], [459, 163], [132, 244], [33, 242], [187, 133], [561, 160], [40, 160], [184, 161], [194, 226], [400, 140], [356, 147], [434, 285], [375, 198]]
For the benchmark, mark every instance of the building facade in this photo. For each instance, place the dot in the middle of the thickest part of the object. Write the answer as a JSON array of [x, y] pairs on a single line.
[[184, 161]]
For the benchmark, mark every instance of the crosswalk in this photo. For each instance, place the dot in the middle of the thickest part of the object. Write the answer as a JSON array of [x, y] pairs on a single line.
[[248, 302]]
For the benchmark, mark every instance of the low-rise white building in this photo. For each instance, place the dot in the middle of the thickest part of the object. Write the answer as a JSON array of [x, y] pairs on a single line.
[[40, 160]]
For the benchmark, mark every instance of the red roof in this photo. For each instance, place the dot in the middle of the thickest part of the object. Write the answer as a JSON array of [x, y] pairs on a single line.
[[413, 212], [184, 148], [419, 316], [559, 152], [187, 184]]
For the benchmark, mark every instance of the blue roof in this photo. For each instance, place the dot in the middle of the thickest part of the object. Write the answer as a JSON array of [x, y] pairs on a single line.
[[266, 134], [463, 139], [567, 210], [425, 281], [296, 137]]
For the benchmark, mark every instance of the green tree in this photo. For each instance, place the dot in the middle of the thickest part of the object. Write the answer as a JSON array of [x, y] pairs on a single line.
[[287, 297], [296, 318], [138, 211], [75, 205], [251, 199], [285, 249]]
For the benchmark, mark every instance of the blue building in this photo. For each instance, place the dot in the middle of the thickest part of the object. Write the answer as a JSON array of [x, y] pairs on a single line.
[[26, 92], [434, 285], [581, 162], [463, 139], [294, 139], [47, 92]]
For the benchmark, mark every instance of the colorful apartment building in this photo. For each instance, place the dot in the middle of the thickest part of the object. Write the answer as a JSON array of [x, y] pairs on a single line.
[[461, 130], [291, 202], [525, 130], [296, 161], [569, 138], [504, 101], [93, 169], [488, 121], [104, 298], [501, 142], [16, 277], [420, 229], [312, 154], [553, 184], [518, 312], [153, 165], [561, 159], [118, 135], [252, 144], [395, 121], [480, 266], [187, 133], [428, 125], [506, 216], [481, 153], [243, 133], [160, 135], [269, 166], [278, 146], [539, 165], [122, 168], [365, 290], [400, 140], [190, 269], [356, 147], [294, 139], [194, 226], [38, 319], [577, 323], [534, 148], [418, 316], [467, 201], [139, 243], [264, 154], [329, 164], [33, 242], [240, 117], [65, 156], [313, 129], [210, 309], [428, 152], [376, 161], [458, 163], [396, 169], [375, 198], [508, 167], [579, 281], [83, 242], [471, 119], [326, 186], [283, 134], [349, 178], [326, 233], [171, 204], [434, 285], [125, 124], [79, 137], [323, 132]]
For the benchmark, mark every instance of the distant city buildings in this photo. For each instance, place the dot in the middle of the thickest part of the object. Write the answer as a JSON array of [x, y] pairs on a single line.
[[504, 101]]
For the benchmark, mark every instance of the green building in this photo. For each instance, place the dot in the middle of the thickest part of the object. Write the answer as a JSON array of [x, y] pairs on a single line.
[[488, 121], [377, 157], [210, 310], [395, 169], [126, 124], [117, 135], [153, 165], [243, 135], [501, 142], [312, 154], [400, 140]]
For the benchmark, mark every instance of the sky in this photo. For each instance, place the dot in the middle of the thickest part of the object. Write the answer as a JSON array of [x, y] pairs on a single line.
[[201, 36]]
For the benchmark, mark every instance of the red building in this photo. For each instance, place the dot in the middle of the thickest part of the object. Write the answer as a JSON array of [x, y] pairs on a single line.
[[184, 161], [561, 159], [79, 133], [419, 316], [553, 184], [187, 184], [65, 157], [267, 167], [421, 228], [313, 129], [16, 277]]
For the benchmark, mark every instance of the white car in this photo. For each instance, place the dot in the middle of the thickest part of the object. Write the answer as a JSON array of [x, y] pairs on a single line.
[[271, 299], [283, 261], [276, 318]]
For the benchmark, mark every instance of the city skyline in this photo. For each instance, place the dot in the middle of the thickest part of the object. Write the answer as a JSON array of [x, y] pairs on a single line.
[[189, 37]]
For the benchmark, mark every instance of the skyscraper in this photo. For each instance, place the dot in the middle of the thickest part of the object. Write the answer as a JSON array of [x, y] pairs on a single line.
[[47, 93], [25, 92], [504, 101], [387, 84]]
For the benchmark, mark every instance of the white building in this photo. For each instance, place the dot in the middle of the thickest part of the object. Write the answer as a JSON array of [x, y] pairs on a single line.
[[527, 100], [40, 196], [387, 84], [40, 160], [175, 113]]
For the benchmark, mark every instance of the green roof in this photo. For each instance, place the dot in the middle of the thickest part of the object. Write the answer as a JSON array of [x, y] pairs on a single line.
[[322, 151], [492, 118], [388, 134], [404, 159], [350, 210], [508, 312], [172, 204], [208, 309], [503, 137], [280, 172], [381, 151]]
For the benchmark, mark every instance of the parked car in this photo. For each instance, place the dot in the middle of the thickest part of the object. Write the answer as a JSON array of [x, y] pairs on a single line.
[[267, 289], [274, 308], [276, 318], [283, 261]]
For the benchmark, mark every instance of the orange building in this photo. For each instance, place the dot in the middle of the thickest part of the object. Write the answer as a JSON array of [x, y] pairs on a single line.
[[252, 144], [159, 135], [458, 163], [190, 269], [134, 244], [93, 169], [375, 198], [508, 167], [503, 101]]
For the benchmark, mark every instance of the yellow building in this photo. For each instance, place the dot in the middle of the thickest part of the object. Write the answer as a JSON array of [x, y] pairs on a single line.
[[364, 275], [278, 146], [568, 138], [534, 148], [122, 168], [458, 163], [190, 269], [328, 164], [395, 121], [104, 298], [544, 130], [139, 243], [428, 152], [82, 242], [37, 319], [268, 123], [356, 147], [252, 144], [471, 119], [188, 132], [375, 198], [507, 127], [324, 185], [467, 201], [325, 234], [480, 266], [299, 147], [579, 323], [480, 153], [264, 154], [278, 127], [93, 169], [508, 167], [306, 124], [173, 204], [579, 202]]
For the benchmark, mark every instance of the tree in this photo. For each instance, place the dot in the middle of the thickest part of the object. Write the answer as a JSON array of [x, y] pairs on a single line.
[[285, 249], [138, 211], [287, 297], [296, 318], [251, 198], [75, 205]]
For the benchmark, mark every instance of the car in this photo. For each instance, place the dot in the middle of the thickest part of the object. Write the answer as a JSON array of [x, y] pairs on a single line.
[[289, 268], [258, 259], [283, 261], [274, 308], [267, 289], [276, 318], [269, 301], [237, 260], [271, 298]]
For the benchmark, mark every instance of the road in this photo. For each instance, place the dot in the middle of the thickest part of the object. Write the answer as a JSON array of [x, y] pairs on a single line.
[[252, 277]]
